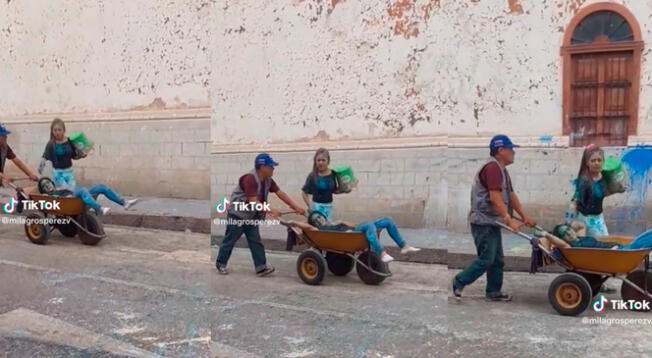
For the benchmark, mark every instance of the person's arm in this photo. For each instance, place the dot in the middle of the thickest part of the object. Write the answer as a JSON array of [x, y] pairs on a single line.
[[307, 190], [19, 163], [306, 199], [516, 203], [305, 226], [287, 200]]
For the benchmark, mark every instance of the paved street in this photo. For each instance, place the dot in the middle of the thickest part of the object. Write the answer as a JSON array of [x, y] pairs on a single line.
[[529, 326], [280, 316], [148, 292], [138, 293]]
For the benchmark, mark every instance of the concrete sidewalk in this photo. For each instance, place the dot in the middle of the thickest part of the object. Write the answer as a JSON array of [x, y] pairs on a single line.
[[162, 213]]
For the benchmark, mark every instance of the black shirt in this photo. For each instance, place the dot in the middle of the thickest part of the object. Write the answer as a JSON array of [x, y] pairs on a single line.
[[322, 188], [60, 154], [337, 227], [589, 196]]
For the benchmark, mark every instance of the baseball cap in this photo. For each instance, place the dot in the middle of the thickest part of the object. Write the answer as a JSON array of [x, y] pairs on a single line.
[[501, 141], [3, 130], [265, 159]]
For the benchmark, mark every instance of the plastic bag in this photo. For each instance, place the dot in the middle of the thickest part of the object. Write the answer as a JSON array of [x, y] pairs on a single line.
[[346, 179], [82, 143], [615, 175]]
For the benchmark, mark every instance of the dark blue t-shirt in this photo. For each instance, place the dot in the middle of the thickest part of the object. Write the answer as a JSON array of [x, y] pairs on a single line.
[[321, 188], [589, 196]]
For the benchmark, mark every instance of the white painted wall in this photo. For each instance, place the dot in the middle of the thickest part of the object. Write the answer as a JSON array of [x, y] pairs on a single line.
[[296, 70], [86, 55], [504, 73]]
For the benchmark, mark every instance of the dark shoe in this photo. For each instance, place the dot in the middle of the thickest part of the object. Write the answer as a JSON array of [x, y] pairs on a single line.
[[501, 297], [222, 269], [457, 289], [266, 271]]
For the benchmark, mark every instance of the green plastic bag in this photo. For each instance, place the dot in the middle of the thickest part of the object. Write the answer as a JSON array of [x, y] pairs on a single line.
[[81, 142], [614, 175], [346, 178]]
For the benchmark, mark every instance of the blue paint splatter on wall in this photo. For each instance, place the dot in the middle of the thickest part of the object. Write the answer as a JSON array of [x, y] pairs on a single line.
[[639, 162], [546, 139]]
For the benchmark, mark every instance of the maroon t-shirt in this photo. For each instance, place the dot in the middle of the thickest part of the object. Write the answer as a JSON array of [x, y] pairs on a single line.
[[248, 184], [491, 177], [10, 156]]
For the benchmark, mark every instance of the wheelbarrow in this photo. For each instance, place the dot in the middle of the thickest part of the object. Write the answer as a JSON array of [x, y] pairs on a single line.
[[69, 215], [339, 252], [588, 268]]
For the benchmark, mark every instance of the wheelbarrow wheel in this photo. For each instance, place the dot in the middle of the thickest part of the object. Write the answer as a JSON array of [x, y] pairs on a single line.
[[339, 264], [68, 229], [36, 230], [93, 224], [627, 292], [570, 294], [311, 267], [374, 262]]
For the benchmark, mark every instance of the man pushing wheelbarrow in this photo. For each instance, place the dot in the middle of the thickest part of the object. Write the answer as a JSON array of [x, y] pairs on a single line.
[[492, 199]]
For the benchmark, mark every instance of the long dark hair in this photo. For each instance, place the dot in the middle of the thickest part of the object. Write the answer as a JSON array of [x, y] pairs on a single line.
[[54, 123], [591, 149], [320, 151]]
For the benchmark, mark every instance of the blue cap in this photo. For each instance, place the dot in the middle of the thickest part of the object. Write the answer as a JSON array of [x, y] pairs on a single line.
[[3, 130], [265, 159], [501, 141]]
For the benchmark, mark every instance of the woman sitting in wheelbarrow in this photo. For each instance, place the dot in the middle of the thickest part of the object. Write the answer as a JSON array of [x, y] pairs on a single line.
[[575, 235], [61, 152], [318, 221]]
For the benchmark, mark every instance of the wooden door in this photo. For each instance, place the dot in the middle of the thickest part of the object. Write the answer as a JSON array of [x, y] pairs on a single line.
[[601, 101]]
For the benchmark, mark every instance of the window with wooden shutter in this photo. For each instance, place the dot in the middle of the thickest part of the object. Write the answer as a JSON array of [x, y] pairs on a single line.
[[601, 62]]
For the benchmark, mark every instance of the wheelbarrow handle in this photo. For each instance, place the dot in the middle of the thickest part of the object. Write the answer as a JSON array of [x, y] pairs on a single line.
[[522, 222], [519, 233]]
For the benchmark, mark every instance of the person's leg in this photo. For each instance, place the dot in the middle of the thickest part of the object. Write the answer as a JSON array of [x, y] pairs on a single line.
[[87, 198], [232, 234], [486, 255], [390, 226], [495, 270], [256, 247], [369, 230], [107, 192]]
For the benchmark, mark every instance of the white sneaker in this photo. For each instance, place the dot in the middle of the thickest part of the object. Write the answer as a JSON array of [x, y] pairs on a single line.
[[408, 249], [130, 203], [386, 258], [104, 210]]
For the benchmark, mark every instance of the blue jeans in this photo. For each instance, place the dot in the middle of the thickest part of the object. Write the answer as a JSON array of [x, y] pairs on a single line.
[[370, 229], [489, 246], [233, 233], [88, 195], [64, 178]]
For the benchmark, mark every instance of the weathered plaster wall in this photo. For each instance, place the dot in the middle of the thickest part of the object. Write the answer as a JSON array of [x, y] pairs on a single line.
[[87, 55], [295, 70], [165, 159], [502, 69]]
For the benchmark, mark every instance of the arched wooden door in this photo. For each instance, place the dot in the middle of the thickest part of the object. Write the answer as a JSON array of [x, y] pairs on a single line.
[[601, 56]]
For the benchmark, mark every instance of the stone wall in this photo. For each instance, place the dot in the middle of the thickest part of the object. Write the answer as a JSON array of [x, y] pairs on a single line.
[[161, 158]]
